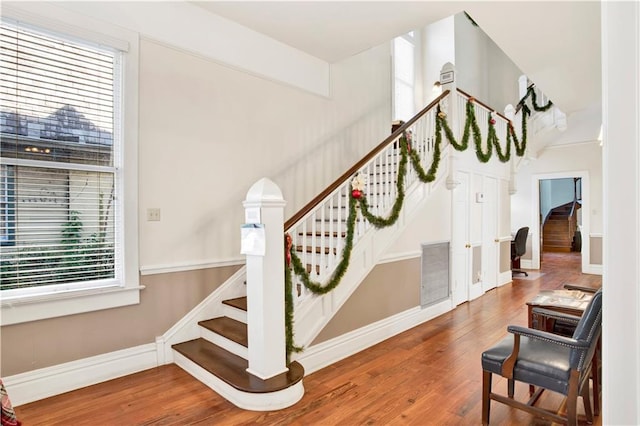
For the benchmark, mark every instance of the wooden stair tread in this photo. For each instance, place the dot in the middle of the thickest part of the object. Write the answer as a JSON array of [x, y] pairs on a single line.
[[233, 330], [317, 250], [238, 302], [231, 368], [326, 234]]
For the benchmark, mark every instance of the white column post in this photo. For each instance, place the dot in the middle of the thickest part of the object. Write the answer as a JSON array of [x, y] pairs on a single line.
[[510, 113], [265, 282], [448, 82], [450, 107], [523, 85]]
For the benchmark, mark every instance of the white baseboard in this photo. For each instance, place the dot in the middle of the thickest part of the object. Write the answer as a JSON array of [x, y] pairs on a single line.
[[326, 353], [38, 384], [505, 278], [593, 269], [526, 264]]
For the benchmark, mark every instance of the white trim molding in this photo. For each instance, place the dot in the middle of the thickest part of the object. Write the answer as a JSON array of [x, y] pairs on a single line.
[[397, 257], [209, 36], [46, 382], [326, 353], [191, 266]]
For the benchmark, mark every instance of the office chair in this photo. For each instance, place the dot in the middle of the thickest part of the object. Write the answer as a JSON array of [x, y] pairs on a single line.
[[546, 360], [518, 248], [565, 324]]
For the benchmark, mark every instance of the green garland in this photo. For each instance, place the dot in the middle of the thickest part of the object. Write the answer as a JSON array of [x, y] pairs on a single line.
[[471, 125], [534, 100], [288, 309], [430, 175]]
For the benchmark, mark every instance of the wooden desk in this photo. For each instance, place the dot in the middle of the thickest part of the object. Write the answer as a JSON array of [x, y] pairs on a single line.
[[589, 288], [572, 302]]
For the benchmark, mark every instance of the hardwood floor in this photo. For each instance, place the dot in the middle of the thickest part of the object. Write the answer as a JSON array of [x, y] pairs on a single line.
[[429, 375]]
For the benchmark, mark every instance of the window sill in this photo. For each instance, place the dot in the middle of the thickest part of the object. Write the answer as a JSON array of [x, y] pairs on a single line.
[[33, 308]]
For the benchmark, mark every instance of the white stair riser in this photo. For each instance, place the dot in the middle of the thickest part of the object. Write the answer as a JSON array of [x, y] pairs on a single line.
[[234, 313], [225, 343]]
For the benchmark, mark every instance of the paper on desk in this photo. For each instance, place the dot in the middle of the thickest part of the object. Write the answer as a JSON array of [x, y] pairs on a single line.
[[563, 298]]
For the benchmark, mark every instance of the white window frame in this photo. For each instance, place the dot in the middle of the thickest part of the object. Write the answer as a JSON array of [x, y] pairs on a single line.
[[7, 212], [411, 37], [36, 306]]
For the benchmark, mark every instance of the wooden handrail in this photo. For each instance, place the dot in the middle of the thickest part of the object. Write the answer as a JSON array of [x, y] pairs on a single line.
[[346, 175], [519, 106], [483, 104], [573, 208]]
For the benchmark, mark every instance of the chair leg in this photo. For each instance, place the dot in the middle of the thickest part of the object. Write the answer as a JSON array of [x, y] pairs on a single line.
[[595, 375], [486, 401], [572, 399], [586, 399], [511, 387]]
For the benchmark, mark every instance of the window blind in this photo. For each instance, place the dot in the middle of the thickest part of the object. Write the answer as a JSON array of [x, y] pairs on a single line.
[[59, 127]]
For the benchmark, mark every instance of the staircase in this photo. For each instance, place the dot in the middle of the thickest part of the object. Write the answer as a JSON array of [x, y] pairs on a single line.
[[560, 227], [221, 351], [211, 341]]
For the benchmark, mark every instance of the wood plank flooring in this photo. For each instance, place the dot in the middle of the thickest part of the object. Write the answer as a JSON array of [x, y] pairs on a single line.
[[429, 375]]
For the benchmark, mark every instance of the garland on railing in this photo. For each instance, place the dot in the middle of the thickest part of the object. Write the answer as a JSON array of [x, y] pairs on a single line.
[[358, 200], [534, 100]]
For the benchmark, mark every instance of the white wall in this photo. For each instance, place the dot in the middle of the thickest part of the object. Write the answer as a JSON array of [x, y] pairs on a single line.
[[203, 145], [621, 153], [565, 159], [192, 29], [483, 69], [432, 224], [439, 48]]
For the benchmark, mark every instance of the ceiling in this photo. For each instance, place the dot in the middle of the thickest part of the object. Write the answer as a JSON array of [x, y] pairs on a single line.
[[557, 44]]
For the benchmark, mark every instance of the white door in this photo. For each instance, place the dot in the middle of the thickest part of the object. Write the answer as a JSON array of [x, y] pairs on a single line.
[[490, 241], [460, 245]]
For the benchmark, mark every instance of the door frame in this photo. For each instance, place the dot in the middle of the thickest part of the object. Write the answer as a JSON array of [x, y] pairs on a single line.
[[535, 215], [461, 256]]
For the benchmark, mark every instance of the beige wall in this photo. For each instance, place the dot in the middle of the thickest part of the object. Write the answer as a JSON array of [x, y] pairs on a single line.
[[595, 249], [165, 300], [390, 288], [505, 256]]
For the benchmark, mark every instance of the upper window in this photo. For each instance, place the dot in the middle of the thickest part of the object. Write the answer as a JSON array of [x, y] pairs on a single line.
[[61, 184], [404, 76]]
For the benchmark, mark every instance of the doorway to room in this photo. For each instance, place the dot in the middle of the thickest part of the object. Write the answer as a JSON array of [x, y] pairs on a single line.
[[560, 215], [561, 198]]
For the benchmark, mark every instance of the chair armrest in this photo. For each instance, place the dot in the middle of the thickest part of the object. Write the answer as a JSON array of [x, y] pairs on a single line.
[[549, 313], [547, 337]]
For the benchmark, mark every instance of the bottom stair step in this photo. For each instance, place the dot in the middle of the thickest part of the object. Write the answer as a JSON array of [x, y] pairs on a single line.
[[231, 368]]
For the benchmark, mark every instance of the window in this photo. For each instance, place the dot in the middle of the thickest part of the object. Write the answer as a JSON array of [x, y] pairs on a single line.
[[7, 206], [62, 195], [404, 76]]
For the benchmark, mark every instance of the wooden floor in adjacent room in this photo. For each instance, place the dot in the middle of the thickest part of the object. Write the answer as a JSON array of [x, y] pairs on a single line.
[[429, 375]]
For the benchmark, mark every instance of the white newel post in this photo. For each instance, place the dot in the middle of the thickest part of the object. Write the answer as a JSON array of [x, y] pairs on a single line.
[[523, 85], [510, 113], [450, 107], [264, 210]]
